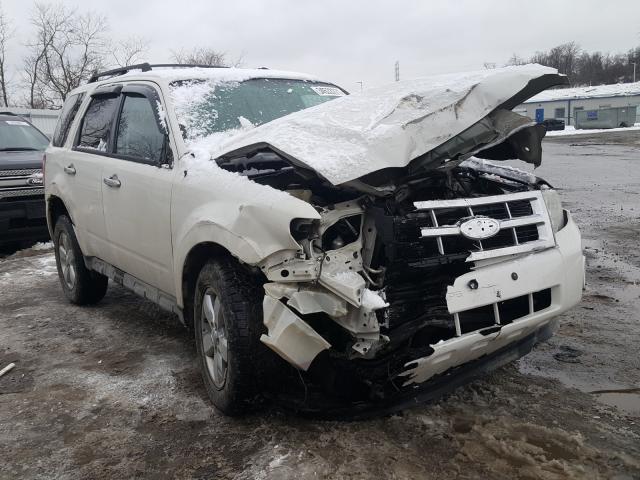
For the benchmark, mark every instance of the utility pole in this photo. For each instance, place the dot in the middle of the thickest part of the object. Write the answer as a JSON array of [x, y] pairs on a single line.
[[634, 71], [360, 82], [397, 71]]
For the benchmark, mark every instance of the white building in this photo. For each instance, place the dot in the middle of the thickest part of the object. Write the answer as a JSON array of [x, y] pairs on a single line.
[[44, 120], [562, 103]]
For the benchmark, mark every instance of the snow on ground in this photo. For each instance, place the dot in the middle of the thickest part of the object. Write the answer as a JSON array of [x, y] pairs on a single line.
[[42, 246], [571, 130]]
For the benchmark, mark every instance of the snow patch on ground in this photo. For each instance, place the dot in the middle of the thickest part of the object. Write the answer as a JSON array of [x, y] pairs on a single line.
[[155, 387], [41, 266], [42, 246], [571, 130]]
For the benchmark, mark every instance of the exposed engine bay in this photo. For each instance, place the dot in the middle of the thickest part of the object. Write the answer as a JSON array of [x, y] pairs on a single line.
[[372, 290]]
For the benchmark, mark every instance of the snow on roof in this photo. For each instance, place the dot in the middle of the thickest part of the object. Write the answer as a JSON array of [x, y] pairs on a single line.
[[599, 91], [221, 74]]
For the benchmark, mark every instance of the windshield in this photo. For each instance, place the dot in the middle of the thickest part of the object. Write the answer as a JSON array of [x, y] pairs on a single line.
[[18, 135], [207, 107]]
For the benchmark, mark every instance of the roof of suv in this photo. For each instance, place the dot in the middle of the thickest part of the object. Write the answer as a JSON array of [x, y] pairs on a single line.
[[222, 74]]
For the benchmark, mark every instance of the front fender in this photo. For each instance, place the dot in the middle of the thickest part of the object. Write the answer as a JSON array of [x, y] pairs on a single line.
[[249, 231]]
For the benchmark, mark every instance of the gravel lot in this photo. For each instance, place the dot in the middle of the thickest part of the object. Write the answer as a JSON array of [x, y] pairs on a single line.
[[111, 391]]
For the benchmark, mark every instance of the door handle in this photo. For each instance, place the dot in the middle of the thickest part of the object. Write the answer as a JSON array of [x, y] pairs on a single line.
[[112, 181], [70, 169]]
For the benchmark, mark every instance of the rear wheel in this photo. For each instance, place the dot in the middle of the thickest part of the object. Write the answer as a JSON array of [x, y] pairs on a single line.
[[623, 125], [81, 285], [228, 325]]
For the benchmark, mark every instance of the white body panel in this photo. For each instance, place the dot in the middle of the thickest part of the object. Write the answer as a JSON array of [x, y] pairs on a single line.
[[82, 193], [138, 221]]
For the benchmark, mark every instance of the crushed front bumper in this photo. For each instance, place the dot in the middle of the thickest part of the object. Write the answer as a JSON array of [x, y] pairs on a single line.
[[420, 393], [559, 270]]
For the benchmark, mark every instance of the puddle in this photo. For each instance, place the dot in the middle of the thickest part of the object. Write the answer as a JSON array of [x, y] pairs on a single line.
[[626, 400]]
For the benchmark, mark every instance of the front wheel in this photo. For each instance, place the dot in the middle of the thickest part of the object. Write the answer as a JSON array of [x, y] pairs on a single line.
[[80, 285], [228, 324]]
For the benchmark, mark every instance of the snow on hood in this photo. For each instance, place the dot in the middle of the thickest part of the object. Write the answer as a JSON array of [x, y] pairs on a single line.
[[389, 126]]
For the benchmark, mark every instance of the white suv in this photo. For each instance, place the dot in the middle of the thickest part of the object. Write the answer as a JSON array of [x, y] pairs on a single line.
[[365, 239]]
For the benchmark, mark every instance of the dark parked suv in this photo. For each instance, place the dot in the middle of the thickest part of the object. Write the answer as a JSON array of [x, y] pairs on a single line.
[[22, 212], [553, 124]]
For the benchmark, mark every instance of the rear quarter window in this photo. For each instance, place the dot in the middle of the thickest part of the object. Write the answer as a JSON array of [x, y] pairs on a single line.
[[67, 114]]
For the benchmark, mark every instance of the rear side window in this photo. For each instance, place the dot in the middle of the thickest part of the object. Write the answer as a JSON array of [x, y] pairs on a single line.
[[68, 113], [139, 134], [97, 123]]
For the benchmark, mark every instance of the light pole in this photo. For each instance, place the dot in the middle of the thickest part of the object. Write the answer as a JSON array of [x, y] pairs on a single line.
[[360, 85]]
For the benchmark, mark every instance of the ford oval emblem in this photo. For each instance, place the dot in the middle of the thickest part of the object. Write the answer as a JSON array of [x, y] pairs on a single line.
[[479, 228], [35, 179]]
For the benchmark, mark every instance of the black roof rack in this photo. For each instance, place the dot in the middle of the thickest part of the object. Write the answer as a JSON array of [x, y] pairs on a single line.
[[9, 113], [145, 67]]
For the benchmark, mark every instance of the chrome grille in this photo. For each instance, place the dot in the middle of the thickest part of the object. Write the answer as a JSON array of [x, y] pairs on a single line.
[[524, 224], [19, 173], [23, 192], [16, 183]]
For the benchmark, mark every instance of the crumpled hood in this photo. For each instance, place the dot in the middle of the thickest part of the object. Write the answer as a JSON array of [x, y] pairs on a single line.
[[391, 126]]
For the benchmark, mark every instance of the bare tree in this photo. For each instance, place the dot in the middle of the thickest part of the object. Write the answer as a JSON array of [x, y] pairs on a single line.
[[6, 32], [75, 53], [48, 22], [130, 51], [68, 47], [584, 68], [516, 60], [201, 56]]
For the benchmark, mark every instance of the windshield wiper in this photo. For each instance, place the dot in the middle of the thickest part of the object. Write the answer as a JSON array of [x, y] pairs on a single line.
[[19, 149]]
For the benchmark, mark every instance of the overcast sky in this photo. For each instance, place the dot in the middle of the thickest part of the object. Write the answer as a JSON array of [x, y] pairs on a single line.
[[347, 42]]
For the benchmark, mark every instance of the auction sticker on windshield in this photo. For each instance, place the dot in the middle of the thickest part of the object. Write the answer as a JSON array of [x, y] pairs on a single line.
[[328, 91]]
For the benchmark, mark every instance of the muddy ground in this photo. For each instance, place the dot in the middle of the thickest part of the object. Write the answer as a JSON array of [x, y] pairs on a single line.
[[111, 391]]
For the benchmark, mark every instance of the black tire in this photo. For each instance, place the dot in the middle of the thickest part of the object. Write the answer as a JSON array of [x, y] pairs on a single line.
[[624, 125], [88, 287], [238, 296]]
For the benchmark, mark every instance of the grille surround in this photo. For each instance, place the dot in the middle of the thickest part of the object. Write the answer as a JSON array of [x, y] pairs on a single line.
[[520, 221]]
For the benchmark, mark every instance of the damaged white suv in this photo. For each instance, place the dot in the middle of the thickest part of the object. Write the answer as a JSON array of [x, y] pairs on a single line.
[[364, 239]]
